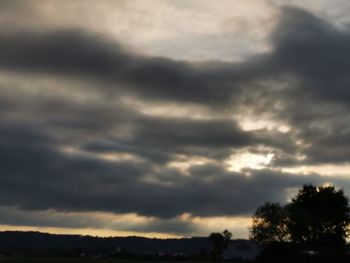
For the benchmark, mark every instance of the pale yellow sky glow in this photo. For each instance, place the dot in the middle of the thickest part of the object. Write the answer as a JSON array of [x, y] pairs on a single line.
[[170, 110], [255, 123], [184, 162], [87, 231], [322, 169], [107, 156], [241, 160]]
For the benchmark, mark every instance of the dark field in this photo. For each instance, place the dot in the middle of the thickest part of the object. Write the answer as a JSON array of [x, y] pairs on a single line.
[[77, 260], [57, 260]]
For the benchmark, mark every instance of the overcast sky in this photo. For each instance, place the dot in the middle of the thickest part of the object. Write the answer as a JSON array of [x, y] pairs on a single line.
[[168, 118]]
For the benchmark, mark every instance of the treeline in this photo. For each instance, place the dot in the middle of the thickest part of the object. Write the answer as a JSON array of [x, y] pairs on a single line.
[[13, 243]]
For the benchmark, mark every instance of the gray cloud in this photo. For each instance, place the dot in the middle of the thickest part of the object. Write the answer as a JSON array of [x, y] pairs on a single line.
[[51, 218], [47, 179], [81, 55], [57, 132]]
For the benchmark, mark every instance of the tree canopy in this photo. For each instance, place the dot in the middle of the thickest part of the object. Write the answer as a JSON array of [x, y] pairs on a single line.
[[316, 216], [219, 242], [270, 224], [319, 215]]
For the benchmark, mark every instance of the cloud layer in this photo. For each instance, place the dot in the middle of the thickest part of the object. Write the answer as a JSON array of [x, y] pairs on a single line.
[[90, 125]]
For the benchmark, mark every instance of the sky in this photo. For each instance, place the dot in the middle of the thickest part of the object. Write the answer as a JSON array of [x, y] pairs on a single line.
[[168, 118]]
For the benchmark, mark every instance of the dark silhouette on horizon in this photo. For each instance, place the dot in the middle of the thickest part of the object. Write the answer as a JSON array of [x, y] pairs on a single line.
[[219, 242], [313, 227]]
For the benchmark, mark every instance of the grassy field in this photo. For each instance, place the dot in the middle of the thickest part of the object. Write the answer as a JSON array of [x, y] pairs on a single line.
[[75, 260], [65, 260], [58, 260]]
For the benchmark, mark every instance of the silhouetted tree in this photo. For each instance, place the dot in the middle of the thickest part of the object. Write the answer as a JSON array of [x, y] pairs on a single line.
[[315, 224], [219, 242], [319, 216], [270, 224]]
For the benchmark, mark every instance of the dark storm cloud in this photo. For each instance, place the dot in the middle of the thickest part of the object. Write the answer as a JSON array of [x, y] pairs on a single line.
[[89, 57], [310, 62], [50, 218], [215, 139], [304, 46], [160, 138], [14, 216], [302, 82], [316, 52], [37, 175], [201, 133], [96, 127], [51, 180], [80, 55]]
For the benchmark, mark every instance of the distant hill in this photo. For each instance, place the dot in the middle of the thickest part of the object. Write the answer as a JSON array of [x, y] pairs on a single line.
[[43, 243]]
